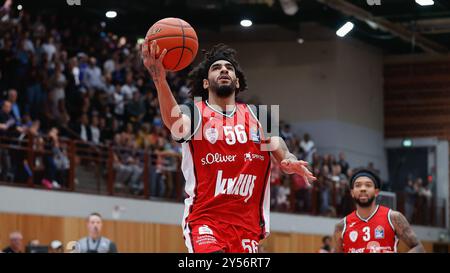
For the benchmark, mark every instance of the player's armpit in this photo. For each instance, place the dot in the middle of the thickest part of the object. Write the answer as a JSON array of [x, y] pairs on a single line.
[[405, 233], [339, 228]]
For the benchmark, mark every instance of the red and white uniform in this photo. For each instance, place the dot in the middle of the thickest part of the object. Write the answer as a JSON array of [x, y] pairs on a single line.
[[227, 182], [372, 235]]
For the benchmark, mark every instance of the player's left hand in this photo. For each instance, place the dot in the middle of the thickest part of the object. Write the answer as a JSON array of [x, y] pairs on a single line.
[[299, 167]]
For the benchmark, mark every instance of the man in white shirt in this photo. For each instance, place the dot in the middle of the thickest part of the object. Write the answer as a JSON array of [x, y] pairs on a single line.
[[129, 88]]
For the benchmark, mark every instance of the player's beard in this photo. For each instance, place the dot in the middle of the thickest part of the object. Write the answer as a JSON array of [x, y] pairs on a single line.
[[224, 90], [365, 204]]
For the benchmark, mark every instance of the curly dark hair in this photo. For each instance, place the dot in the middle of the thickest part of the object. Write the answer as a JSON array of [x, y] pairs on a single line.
[[200, 72]]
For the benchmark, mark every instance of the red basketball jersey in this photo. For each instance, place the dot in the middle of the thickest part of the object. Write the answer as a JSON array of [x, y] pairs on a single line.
[[226, 172], [372, 235]]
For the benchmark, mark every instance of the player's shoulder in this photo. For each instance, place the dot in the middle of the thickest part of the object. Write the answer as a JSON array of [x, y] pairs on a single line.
[[340, 225]]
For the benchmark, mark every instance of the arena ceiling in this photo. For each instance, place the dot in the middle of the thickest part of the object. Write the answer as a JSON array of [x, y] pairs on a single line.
[[396, 26]]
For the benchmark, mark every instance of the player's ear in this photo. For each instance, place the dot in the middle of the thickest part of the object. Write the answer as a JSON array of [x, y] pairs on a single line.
[[237, 83], [377, 191], [351, 193], [205, 84]]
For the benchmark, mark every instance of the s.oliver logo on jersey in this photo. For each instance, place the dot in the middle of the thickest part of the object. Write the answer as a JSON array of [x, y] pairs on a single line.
[[356, 250], [242, 185], [210, 159]]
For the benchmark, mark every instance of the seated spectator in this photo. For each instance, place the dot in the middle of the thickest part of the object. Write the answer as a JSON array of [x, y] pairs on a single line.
[[135, 108], [7, 121], [82, 128], [95, 131], [15, 110], [15, 243], [326, 245]]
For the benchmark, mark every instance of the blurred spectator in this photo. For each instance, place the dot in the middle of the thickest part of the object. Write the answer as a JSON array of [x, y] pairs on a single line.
[[425, 196], [5, 8], [57, 96], [308, 148], [15, 243], [82, 128], [326, 245], [59, 160], [95, 242], [6, 119], [286, 133], [135, 109], [119, 102], [15, 110], [93, 76], [275, 181], [49, 48], [344, 164], [302, 191], [56, 247], [325, 185], [283, 193], [95, 131], [126, 164], [371, 167], [411, 192], [128, 89]]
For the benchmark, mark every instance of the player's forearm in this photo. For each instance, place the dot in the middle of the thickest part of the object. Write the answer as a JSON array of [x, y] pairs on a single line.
[[170, 110], [280, 150]]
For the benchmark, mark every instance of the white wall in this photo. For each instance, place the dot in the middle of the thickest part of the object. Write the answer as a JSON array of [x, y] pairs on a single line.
[[50, 203]]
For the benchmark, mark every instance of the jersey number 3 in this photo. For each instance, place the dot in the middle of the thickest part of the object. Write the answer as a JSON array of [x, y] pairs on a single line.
[[366, 231]]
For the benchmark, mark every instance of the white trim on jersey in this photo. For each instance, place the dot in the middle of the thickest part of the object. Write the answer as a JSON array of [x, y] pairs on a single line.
[[187, 166], [345, 227], [187, 239], [266, 208], [370, 217], [390, 221], [186, 139], [395, 244], [251, 112], [227, 115], [198, 125]]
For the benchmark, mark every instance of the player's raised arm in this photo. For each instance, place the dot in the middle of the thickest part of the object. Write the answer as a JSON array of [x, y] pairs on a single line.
[[339, 228], [288, 162], [170, 110], [405, 233]]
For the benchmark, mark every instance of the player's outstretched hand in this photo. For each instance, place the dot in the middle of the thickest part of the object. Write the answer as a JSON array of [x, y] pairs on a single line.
[[299, 167], [153, 64]]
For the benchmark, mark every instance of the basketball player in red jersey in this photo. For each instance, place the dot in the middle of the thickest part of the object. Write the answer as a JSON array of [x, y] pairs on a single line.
[[372, 228], [227, 171]]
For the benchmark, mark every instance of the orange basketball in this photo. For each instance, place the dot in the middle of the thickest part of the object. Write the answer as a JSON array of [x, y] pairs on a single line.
[[180, 40]]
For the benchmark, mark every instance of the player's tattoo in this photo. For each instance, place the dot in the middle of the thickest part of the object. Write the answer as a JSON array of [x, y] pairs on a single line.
[[405, 232], [339, 228]]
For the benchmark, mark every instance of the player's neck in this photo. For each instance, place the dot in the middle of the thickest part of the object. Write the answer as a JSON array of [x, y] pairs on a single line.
[[94, 237], [220, 104], [366, 212]]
